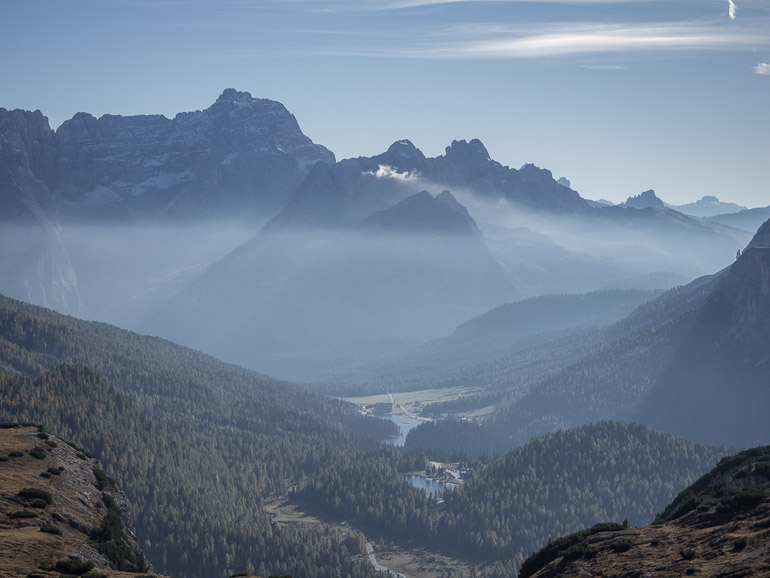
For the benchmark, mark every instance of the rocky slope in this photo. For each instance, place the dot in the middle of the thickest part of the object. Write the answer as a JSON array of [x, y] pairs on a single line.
[[719, 526], [59, 512]]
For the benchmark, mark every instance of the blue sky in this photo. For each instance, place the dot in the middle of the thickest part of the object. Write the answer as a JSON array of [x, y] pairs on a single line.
[[618, 96]]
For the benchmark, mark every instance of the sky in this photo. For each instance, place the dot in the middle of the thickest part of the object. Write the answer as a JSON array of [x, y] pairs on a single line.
[[617, 96]]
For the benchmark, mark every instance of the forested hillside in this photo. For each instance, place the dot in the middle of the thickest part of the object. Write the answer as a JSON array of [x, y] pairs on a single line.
[[195, 444], [718, 526], [719, 374], [481, 349], [553, 485], [162, 376], [566, 381], [693, 358]]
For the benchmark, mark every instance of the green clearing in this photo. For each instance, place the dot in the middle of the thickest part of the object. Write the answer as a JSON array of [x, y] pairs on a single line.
[[413, 401]]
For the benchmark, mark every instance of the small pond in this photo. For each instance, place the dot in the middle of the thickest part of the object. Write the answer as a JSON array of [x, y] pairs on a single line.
[[429, 484]]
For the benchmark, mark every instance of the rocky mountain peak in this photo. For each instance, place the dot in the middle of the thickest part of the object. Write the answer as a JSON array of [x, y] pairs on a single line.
[[240, 156], [405, 149], [422, 213], [645, 200], [463, 151], [446, 197], [531, 170], [83, 117], [232, 95]]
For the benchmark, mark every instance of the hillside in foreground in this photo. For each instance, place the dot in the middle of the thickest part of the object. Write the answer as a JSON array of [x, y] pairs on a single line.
[[196, 445], [60, 513], [719, 526]]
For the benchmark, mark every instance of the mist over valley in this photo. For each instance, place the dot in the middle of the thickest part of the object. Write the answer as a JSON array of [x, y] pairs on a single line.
[[278, 354]]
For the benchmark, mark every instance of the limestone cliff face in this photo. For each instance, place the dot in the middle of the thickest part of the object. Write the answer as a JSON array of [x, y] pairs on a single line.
[[56, 506], [35, 265], [240, 154], [241, 157]]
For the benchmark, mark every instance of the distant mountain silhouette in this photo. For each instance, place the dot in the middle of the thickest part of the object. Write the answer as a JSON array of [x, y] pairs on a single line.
[[423, 214], [354, 188], [298, 302], [644, 200], [708, 206], [748, 220]]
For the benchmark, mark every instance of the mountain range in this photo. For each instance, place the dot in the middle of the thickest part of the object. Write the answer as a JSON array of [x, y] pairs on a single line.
[[238, 156], [531, 309], [705, 207], [295, 263]]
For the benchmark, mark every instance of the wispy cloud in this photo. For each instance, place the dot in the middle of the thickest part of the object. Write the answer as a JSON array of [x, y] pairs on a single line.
[[731, 9], [396, 4], [382, 5], [603, 67], [762, 68], [584, 38], [387, 172]]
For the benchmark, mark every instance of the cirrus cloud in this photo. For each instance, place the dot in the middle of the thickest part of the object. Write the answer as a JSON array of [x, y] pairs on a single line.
[[494, 41]]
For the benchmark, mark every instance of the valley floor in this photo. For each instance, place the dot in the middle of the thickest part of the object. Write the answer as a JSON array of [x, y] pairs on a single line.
[[398, 559]]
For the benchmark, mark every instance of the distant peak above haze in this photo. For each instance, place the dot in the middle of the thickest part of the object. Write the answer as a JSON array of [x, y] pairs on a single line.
[[232, 95], [645, 200], [474, 149], [708, 206], [405, 149], [422, 213]]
